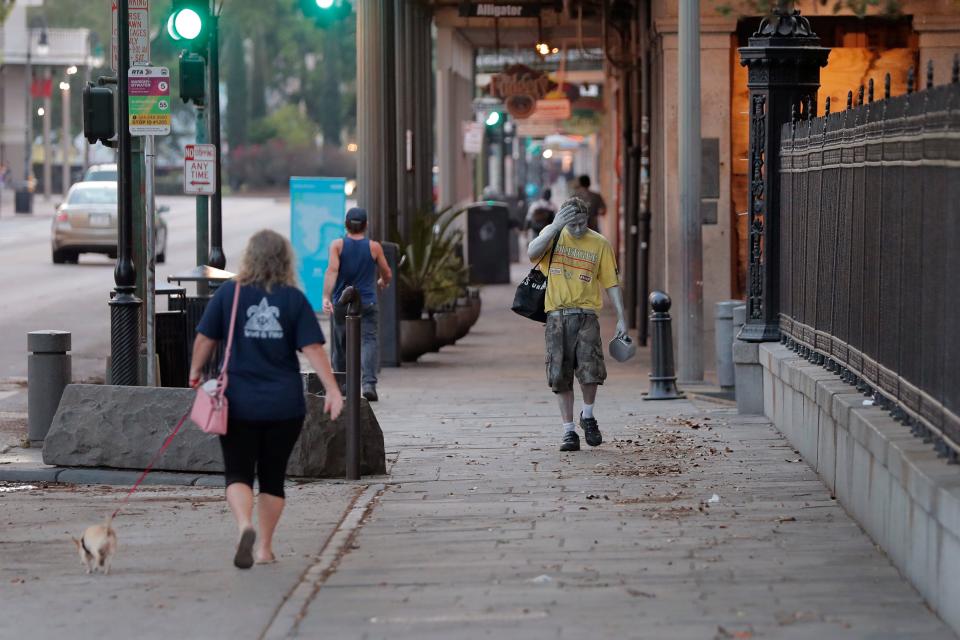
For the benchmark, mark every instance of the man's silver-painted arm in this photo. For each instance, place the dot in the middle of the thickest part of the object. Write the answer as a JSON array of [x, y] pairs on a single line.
[[616, 298]]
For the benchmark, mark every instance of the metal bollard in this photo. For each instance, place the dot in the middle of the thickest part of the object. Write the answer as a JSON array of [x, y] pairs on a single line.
[[723, 341], [663, 378], [48, 373], [351, 298]]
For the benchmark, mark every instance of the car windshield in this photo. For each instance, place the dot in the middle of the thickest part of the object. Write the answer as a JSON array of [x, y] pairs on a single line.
[[104, 175], [99, 195]]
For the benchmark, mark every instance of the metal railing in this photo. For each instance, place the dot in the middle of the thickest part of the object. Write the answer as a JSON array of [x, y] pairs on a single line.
[[870, 250]]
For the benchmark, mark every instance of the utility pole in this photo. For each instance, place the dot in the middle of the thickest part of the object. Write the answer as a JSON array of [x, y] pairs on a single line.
[[47, 147], [691, 233], [217, 257], [125, 306], [66, 143]]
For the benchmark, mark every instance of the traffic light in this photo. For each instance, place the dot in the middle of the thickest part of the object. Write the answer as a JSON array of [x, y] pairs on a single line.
[[98, 117], [326, 13], [189, 22], [193, 71]]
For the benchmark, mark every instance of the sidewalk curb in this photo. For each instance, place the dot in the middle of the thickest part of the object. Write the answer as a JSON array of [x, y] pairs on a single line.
[[286, 620], [75, 475]]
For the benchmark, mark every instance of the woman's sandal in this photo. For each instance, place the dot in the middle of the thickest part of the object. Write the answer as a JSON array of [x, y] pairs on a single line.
[[271, 560], [244, 556]]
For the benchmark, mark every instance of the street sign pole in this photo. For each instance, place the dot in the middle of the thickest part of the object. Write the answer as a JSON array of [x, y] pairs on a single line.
[[217, 257], [125, 306], [203, 208], [150, 226]]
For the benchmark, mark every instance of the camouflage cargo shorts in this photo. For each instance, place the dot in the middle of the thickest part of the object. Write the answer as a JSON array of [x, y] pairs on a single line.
[[574, 349]]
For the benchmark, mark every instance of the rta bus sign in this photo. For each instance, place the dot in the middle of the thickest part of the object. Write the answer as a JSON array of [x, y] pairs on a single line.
[[499, 10]]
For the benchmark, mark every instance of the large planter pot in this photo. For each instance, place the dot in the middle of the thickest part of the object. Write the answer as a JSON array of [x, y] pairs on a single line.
[[475, 307], [464, 320], [410, 304], [417, 337], [446, 328]]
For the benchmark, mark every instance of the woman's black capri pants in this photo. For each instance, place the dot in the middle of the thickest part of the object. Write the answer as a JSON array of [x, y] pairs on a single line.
[[259, 448]]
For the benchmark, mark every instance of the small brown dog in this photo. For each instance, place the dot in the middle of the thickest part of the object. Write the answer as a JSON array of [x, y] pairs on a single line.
[[97, 545]]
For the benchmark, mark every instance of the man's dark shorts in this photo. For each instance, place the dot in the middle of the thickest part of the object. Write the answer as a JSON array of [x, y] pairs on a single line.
[[574, 349]]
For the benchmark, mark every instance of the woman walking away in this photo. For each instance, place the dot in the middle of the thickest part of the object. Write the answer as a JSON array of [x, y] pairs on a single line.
[[265, 389]]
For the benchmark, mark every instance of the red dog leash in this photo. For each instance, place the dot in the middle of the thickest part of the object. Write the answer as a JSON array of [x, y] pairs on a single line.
[[153, 461]]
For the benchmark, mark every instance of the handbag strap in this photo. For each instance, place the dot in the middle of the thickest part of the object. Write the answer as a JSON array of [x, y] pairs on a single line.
[[553, 248], [233, 322]]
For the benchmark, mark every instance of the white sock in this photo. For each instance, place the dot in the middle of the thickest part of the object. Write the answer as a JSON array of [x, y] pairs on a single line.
[[568, 427], [587, 410]]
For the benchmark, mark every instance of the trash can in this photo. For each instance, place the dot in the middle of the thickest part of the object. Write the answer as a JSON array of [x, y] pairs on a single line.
[[194, 306], [488, 242], [171, 332], [724, 334], [23, 200]]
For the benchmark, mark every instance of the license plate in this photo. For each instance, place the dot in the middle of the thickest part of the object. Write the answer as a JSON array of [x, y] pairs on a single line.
[[100, 220]]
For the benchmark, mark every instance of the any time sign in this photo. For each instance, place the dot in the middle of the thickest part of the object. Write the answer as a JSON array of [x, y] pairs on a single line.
[[199, 169]]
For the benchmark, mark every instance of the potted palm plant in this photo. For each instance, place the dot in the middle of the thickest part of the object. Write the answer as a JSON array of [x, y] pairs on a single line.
[[429, 278]]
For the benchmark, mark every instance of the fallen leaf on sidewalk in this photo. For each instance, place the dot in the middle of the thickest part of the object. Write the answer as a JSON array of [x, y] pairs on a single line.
[[786, 519]]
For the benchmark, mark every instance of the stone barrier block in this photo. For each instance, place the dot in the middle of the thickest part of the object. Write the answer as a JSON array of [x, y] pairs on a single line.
[[122, 428]]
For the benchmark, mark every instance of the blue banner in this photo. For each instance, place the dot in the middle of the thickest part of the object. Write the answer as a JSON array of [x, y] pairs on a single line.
[[317, 208]]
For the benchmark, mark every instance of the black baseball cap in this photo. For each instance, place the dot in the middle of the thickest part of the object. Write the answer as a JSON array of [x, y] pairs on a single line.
[[357, 214]]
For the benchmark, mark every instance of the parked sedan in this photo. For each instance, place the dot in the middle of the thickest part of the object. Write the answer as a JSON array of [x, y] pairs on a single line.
[[87, 223], [101, 172]]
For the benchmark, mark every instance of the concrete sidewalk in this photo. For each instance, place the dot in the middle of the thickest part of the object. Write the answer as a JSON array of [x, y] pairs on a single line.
[[688, 522]]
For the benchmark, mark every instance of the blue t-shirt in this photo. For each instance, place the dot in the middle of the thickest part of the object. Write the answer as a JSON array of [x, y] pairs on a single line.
[[264, 373]]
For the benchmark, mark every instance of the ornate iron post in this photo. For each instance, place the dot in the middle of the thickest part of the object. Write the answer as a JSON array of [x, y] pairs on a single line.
[[125, 305], [784, 58]]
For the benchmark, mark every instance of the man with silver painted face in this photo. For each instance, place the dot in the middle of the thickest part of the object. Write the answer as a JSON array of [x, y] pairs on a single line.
[[578, 263]]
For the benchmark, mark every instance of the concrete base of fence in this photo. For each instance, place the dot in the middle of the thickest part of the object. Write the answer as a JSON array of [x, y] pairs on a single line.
[[891, 482], [749, 377], [123, 427]]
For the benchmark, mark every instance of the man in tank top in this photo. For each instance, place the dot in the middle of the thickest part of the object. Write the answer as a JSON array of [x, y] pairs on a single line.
[[356, 261]]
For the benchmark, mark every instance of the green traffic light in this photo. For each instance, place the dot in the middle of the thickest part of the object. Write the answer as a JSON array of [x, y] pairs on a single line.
[[324, 4], [493, 118], [185, 24], [188, 24], [170, 28]]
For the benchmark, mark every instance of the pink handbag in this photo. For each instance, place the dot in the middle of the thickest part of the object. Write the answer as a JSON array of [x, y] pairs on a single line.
[[210, 406]]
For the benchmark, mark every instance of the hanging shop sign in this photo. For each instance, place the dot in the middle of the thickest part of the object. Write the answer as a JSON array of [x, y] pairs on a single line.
[[520, 87], [499, 10]]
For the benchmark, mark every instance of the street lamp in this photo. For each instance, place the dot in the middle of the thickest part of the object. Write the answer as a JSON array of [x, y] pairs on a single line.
[[43, 48]]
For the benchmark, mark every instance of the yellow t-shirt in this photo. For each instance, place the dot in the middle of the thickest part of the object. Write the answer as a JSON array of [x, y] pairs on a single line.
[[580, 268]]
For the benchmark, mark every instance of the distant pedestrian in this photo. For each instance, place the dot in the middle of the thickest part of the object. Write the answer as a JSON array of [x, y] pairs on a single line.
[[578, 263], [356, 261], [265, 387], [540, 213], [596, 207]]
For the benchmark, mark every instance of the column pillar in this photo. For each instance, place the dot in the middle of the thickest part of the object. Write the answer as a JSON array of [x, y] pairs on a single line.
[[376, 120], [784, 58]]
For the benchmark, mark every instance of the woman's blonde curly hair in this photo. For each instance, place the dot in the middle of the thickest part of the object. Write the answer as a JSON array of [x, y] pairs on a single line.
[[268, 261]]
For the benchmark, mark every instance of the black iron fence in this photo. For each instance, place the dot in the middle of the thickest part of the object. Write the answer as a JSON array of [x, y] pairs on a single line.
[[870, 250]]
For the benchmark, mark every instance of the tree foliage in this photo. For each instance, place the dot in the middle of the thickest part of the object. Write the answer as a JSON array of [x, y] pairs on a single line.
[[271, 56]]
